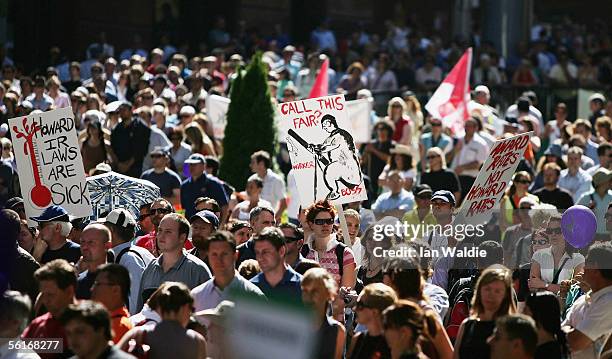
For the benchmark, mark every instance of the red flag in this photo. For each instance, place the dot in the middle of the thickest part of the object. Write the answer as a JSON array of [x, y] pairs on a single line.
[[449, 102], [320, 87]]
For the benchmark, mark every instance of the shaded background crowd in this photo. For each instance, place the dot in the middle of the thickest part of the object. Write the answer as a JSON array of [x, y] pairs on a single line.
[[171, 274]]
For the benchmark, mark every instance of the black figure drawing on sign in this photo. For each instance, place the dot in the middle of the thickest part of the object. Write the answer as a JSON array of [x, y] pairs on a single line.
[[335, 157]]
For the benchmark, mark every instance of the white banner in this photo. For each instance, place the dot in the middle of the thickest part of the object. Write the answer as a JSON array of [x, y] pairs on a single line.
[[359, 116], [493, 179], [322, 150], [216, 111], [49, 163]]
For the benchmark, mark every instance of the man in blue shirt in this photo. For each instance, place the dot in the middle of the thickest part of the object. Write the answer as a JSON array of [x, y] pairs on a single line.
[[397, 201], [277, 279], [201, 185]]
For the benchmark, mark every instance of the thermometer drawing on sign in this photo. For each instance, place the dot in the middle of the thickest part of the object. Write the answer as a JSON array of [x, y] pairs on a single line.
[[40, 194]]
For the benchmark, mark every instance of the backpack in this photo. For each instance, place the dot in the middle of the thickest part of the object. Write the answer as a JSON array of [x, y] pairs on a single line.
[[124, 251], [459, 308]]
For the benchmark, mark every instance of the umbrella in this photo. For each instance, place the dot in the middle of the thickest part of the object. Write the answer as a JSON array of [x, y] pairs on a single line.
[[113, 190]]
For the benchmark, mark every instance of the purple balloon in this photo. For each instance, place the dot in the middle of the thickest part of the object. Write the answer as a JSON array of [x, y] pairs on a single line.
[[578, 225]]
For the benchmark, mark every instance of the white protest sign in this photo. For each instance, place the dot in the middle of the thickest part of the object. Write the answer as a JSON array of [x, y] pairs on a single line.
[[322, 150], [49, 163], [359, 115], [493, 179], [267, 330], [216, 110]]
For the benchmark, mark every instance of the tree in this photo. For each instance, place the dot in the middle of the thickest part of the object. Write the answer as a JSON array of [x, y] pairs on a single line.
[[250, 123]]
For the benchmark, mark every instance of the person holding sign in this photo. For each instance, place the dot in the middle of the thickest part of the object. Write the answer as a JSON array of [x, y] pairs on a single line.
[[337, 154]]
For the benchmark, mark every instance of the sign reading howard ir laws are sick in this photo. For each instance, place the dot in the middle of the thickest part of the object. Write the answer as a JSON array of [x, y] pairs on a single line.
[[495, 175], [322, 150], [49, 162]]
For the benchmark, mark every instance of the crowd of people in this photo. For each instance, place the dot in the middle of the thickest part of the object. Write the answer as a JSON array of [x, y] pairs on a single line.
[[160, 285]]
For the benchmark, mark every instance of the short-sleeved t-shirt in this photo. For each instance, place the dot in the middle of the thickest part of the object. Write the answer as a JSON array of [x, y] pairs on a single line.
[[166, 181], [70, 252], [329, 261]]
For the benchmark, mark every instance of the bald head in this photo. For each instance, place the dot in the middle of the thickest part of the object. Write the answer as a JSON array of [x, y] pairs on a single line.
[[93, 245]]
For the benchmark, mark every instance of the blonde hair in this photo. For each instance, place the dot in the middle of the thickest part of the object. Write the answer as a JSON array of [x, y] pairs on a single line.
[[378, 296], [437, 151], [323, 277], [488, 276], [541, 213], [352, 213]]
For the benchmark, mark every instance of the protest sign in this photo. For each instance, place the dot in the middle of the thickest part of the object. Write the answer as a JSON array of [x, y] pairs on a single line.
[[269, 330], [322, 150], [493, 179], [216, 110], [49, 162], [359, 116]]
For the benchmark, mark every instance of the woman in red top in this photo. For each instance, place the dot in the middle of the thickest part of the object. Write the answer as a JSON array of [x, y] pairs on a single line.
[[396, 112]]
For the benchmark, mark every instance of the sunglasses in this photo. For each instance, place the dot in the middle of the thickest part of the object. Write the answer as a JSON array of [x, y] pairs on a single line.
[[553, 230], [143, 217], [431, 157], [436, 124], [523, 181], [157, 156], [291, 239], [320, 222], [424, 196], [155, 211], [541, 242]]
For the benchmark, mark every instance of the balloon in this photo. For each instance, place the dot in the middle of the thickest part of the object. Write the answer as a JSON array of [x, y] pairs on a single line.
[[578, 225]]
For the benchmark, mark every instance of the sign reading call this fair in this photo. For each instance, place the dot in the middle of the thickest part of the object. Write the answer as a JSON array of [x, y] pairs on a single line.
[[322, 150], [49, 162]]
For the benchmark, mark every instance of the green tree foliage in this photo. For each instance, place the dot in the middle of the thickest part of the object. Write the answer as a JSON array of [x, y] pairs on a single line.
[[250, 123]]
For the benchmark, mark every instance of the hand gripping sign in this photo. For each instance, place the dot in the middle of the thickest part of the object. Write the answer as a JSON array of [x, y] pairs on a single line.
[[322, 151], [493, 179], [49, 162]]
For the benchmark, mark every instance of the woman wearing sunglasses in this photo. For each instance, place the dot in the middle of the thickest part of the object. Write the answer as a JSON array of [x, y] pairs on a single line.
[[560, 261], [438, 176], [324, 248], [372, 301], [512, 199]]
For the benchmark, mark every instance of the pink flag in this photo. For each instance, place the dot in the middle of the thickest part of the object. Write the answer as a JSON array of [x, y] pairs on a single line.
[[320, 87], [449, 102]]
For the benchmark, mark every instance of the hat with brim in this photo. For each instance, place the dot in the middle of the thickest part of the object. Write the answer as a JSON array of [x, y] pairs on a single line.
[[52, 213], [602, 175], [195, 159], [443, 195], [401, 150], [217, 313], [207, 216]]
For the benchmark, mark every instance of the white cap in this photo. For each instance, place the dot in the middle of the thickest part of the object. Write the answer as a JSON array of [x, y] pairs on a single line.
[[597, 96], [119, 217], [482, 88], [187, 110]]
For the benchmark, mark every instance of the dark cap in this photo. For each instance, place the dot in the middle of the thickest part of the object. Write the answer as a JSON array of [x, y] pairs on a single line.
[[13, 202], [52, 213], [523, 104], [207, 216], [421, 189], [446, 196]]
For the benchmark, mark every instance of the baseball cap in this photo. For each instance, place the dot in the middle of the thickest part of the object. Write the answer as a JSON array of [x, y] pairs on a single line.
[[528, 200], [597, 96], [113, 106], [482, 88], [52, 213], [119, 217], [13, 203], [421, 189], [187, 110], [555, 150], [444, 195], [207, 216], [195, 159], [159, 150]]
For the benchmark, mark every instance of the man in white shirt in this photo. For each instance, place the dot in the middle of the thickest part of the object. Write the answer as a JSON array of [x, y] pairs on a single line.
[[574, 179], [470, 153], [588, 324], [273, 184]]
